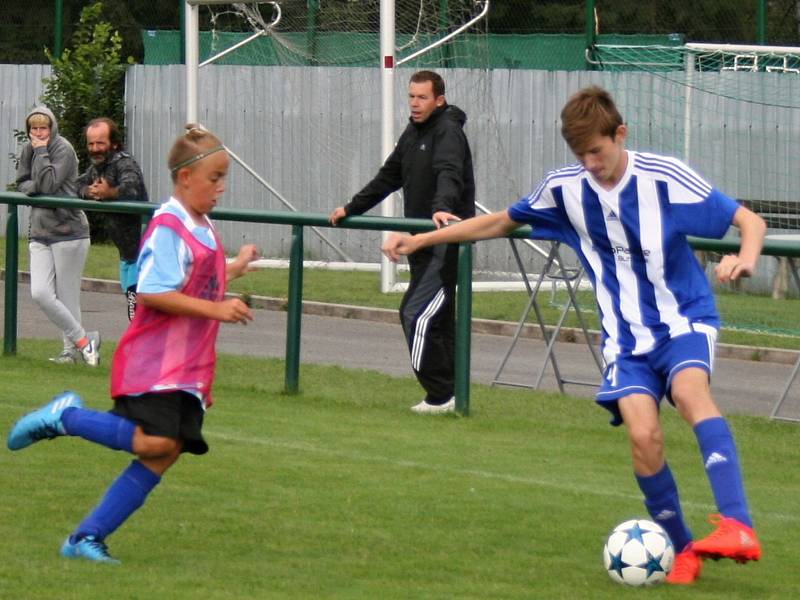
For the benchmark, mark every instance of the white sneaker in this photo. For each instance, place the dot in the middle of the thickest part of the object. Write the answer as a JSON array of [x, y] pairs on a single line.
[[424, 407], [91, 351]]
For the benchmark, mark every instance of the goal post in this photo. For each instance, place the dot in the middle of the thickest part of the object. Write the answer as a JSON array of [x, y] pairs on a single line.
[[412, 33]]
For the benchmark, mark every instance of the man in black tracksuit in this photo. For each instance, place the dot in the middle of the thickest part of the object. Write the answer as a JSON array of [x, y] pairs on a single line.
[[432, 162]]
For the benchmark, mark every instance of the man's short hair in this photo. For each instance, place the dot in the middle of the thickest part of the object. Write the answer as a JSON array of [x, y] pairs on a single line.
[[435, 79], [588, 113], [114, 134]]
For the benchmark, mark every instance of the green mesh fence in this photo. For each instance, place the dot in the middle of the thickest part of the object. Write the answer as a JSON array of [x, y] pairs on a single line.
[[554, 52]]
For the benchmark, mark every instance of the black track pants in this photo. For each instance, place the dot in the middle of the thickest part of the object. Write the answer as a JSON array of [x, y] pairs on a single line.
[[427, 314]]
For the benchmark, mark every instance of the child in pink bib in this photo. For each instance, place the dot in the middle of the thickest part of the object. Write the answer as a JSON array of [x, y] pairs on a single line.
[[163, 369]]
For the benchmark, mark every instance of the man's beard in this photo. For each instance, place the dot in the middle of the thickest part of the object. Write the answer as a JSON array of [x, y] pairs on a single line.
[[99, 159]]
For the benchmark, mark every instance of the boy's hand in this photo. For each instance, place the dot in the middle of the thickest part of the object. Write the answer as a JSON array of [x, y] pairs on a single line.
[[247, 254], [241, 264], [731, 268], [233, 311], [397, 245]]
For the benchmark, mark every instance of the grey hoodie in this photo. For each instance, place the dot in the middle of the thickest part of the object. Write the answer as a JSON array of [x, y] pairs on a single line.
[[51, 171]]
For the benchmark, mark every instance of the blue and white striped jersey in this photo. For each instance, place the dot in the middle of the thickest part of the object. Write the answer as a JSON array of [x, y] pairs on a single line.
[[632, 242]]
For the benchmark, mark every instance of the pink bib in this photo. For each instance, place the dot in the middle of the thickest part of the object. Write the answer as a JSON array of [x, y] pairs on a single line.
[[166, 352]]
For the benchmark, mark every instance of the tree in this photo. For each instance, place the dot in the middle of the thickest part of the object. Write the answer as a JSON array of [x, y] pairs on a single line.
[[87, 82]]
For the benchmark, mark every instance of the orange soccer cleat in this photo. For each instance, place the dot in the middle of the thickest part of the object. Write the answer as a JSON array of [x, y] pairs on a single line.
[[732, 539], [686, 568]]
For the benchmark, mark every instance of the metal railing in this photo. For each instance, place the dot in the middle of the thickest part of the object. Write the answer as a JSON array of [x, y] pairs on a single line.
[[298, 221]]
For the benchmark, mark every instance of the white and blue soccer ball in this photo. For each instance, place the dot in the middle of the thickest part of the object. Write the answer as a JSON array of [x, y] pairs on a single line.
[[638, 552]]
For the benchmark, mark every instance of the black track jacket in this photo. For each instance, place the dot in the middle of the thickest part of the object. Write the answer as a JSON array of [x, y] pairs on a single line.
[[432, 162]]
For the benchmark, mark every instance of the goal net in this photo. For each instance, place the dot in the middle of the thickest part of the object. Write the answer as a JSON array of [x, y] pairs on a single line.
[[733, 113], [315, 106]]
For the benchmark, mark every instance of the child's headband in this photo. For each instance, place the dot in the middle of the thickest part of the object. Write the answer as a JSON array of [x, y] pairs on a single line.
[[195, 158]]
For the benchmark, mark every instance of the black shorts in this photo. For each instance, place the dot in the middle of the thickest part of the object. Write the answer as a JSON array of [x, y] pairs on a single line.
[[177, 415]]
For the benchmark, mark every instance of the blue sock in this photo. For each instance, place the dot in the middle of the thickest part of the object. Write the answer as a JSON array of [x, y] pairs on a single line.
[[106, 429], [122, 499], [662, 502], [722, 467]]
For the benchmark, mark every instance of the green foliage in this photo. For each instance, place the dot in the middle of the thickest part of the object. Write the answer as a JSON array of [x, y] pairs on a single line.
[[88, 78], [88, 81], [20, 137]]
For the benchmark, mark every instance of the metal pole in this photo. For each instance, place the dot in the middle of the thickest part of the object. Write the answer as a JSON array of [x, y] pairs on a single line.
[[761, 23], [444, 25], [12, 274], [192, 58], [294, 312], [388, 268], [591, 26], [687, 107], [463, 327], [58, 44], [311, 31], [182, 38]]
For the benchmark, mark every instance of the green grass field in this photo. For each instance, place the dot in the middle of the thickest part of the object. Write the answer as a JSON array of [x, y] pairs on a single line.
[[342, 492], [749, 320]]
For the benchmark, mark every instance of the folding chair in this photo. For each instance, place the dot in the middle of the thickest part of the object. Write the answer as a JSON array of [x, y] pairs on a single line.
[[785, 393], [571, 278]]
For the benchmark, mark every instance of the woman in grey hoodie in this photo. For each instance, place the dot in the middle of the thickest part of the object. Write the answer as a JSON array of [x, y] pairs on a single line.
[[58, 237]]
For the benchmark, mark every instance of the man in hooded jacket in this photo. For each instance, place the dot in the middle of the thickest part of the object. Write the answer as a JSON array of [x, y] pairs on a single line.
[[432, 162]]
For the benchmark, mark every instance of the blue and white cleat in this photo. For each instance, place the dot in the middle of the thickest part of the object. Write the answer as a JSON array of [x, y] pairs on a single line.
[[88, 548], [44, 423]]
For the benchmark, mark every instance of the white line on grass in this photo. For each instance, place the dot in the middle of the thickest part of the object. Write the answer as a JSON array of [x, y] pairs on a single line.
[[356, 456]]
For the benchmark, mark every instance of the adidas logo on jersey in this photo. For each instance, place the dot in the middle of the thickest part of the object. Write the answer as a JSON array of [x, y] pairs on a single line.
[[715, 458], [422, 147], [612, 216]]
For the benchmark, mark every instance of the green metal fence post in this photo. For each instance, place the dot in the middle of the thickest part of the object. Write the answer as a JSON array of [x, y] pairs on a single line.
[[12, 275], [311, 31], [182, 38], [761, 22], [295, 310], [463, 327]]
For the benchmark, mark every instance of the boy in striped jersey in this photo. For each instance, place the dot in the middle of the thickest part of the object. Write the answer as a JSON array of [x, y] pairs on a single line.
[[627, 214]]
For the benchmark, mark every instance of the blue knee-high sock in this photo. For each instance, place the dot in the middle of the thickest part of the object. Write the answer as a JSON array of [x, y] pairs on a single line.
[[662, 502], [122, 499], [722, 467], [106, 429]]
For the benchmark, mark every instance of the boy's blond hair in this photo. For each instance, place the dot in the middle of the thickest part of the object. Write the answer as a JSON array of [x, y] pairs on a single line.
[[589, 113]]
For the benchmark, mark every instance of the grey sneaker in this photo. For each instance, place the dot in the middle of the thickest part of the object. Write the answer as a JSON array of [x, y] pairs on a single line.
[[68, 356], [435, 409], [91, 351]]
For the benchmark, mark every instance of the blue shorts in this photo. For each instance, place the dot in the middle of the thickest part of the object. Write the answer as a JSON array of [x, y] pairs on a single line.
[[652, 373]]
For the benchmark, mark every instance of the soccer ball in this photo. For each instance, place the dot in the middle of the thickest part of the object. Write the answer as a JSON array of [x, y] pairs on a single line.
[[638, 552]]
